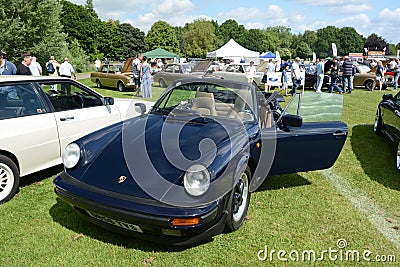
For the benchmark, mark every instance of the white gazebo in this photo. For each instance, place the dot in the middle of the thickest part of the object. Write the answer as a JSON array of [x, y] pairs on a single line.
[[233, 50]]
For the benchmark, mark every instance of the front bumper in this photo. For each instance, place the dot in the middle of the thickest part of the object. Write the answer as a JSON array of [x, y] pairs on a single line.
[[150, 222]]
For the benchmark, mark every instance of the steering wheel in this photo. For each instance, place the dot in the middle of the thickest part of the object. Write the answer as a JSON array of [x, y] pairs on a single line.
[[74, 101]]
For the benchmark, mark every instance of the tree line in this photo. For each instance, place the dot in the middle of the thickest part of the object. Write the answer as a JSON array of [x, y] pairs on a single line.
[[64, 29]]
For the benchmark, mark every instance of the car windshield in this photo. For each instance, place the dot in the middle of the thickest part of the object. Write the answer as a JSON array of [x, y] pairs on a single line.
[[317, 107], [364, 68], [186, 68], [203, 99]]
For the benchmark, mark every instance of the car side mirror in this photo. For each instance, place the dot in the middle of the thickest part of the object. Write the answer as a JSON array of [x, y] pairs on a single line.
[[292, 120], [140, 108], [387, 96], [108, 101]]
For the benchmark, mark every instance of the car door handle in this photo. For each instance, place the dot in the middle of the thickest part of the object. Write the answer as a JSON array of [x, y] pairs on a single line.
[[339, 133], [67, 118], [397, 112]]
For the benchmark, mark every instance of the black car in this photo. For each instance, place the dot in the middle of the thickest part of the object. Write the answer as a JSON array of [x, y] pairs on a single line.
[[311, 78], [387, 122]]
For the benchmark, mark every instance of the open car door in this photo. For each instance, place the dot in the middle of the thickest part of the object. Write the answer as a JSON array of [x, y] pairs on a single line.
[[314, 144]]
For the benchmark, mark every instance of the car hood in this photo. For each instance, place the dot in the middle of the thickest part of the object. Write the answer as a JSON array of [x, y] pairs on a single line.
[[150, 153]]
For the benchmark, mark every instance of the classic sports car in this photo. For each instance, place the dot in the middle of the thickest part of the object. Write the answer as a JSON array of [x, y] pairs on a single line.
[[184, 171], [175, 71], [237, 72], [387, 122], [39, 116], [114, 75]]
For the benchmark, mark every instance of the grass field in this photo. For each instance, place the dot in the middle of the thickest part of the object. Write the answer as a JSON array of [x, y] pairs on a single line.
[[351, 209]]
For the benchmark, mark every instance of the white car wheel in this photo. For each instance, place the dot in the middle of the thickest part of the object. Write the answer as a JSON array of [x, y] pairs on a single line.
[[9, 179]]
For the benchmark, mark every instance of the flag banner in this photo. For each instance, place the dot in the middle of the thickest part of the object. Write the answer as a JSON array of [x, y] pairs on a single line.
[[334, 49]]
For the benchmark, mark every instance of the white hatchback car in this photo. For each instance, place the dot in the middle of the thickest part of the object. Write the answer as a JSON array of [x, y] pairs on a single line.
[[39, 116]]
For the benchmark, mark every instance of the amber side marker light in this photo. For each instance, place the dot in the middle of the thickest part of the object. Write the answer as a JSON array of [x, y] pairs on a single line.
[[185, 221]]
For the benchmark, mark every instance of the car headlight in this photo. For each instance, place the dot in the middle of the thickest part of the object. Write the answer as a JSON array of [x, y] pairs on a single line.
[[71, 155], [196, 180]]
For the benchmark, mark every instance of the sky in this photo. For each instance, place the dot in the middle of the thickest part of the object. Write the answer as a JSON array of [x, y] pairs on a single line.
[[378, 16]]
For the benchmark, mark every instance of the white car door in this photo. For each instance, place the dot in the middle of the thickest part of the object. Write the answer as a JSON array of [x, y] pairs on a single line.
[[29, 129], [78, 111]]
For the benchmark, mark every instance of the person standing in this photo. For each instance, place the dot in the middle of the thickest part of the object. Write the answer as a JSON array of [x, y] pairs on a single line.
[[269, 69], [320, 75], [296, 76], [396, 73], [347, 73], [250, 72], [378, 76], [6, 67], [97, 64], [66, 69], [23, 68], [285, 78], [52, 66], [146, 78], [335, 76], [136, 68], [35, 67]]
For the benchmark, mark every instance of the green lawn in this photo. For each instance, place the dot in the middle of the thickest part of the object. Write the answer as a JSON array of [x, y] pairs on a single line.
[[353, 205]]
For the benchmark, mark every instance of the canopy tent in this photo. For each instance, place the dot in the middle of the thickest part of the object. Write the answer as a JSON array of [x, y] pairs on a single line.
[[160, 53], [268, 54], [232, 50]]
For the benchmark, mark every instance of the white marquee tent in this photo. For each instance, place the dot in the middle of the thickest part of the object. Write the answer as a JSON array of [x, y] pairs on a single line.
[[233, 50]]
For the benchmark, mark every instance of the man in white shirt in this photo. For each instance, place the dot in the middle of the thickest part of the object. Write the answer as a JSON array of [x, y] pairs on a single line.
[[35, 67], [320, 75], [66, 69], [296, 77], [250, 72]]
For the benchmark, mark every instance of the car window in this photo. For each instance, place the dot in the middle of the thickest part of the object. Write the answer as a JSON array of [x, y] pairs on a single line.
[[230, 69], [67, 96], [177, 69], [20, 100], [104, 69], [169, 68], [317, 107]]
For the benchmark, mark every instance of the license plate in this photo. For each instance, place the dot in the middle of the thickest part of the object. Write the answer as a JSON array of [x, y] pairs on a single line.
[[121, 224]]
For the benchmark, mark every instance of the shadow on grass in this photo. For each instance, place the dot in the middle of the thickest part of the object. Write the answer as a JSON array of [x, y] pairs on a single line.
[[39, 176], [283, 181], [376, 155], [65, 215]]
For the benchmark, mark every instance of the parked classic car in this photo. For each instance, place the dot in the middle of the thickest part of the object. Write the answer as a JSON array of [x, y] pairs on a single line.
[[185, 171], [114, 75], [237, 72], [174, 71], [40, 116], [387, 122], [365, 77]]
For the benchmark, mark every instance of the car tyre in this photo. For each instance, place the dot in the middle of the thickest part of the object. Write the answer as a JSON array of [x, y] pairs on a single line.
[[238, 202], [378, 123], [9, 179], [121, 86], [162, 83], [368, 85], [98, 83]]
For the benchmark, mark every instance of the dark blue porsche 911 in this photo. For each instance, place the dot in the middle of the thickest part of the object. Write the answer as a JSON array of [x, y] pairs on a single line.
[[184, 171]]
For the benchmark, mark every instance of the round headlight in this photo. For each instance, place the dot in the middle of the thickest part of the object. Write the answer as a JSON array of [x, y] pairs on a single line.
[[196, 180], [71, 156]]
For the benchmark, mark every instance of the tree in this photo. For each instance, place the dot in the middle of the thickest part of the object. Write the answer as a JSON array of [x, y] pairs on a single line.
[[133, 40], [325, 37], [350, 40], [28, 26], [230, 29], [376, 43], [255, 40], [303, 50], [162, 35], [199, 38]]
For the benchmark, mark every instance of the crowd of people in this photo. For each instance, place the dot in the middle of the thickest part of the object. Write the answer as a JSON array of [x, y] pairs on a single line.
[[29, 66]]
